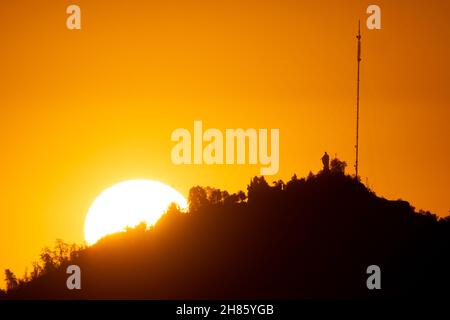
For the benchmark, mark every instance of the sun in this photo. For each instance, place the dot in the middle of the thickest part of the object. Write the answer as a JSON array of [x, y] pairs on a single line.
[[127, 204]]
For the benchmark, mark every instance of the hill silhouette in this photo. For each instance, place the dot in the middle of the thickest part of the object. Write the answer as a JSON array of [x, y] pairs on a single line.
[[308, 238]]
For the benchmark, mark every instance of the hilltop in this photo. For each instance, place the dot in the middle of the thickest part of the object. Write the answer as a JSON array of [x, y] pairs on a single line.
[[308, 238]]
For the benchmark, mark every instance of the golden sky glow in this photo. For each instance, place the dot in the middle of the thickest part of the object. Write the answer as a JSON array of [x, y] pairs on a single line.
[[82, 110]]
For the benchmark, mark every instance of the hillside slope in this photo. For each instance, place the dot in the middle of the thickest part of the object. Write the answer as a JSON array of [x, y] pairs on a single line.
[[309, 238]]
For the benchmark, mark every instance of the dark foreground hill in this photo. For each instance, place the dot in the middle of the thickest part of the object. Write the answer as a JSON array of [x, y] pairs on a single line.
[[309, 238]]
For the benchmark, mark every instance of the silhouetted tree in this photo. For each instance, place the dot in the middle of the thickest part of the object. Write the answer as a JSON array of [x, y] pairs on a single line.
[[74, 251], [231, 199], [258, 186], [214, 195], [338, 166], [49, 263], [37, 270], [241, 196], [225, 195], [234, 198], [11, 280], [197, 198], [61, 252]]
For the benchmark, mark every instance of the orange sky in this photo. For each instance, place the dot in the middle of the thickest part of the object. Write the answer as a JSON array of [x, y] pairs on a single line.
[[82, 110]]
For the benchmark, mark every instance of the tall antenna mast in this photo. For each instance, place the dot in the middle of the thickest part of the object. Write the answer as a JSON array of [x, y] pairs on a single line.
[[357, 99]]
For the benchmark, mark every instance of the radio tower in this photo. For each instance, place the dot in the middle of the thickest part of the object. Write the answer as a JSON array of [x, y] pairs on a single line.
[[357, 99]]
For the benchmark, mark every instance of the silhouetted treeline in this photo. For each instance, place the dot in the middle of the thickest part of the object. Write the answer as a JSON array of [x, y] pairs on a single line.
[[312, 237], [50, 260]]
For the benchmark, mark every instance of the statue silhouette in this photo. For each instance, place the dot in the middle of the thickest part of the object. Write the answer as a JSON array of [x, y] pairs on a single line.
[[326, 162]]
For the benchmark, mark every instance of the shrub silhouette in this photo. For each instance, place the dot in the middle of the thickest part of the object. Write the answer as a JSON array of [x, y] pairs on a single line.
[[338, 166], [312, 237]]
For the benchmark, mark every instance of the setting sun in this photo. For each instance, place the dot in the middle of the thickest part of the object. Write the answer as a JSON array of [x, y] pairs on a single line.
[[127, 204]]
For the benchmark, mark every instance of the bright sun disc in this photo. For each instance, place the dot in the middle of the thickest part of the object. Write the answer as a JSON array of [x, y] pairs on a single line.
[[127, 204]]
